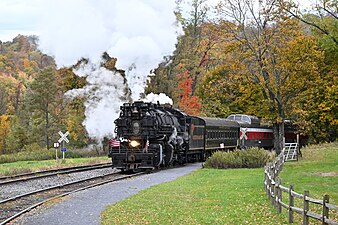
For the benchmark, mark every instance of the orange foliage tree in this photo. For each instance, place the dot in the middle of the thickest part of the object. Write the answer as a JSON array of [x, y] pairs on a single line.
[[187, 102]]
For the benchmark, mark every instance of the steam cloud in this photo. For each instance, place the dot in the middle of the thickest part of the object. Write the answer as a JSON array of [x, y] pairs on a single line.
[[137, 32], [102, 91], [161, 98]]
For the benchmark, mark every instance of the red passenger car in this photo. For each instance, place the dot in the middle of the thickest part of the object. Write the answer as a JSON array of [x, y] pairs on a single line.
[[252, 133]]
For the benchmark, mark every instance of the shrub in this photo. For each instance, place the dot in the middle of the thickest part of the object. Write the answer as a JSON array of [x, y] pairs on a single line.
[[249, 158]]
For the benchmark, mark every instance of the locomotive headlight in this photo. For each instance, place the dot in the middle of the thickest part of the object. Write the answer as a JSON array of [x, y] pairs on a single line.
[[134, 143], [136, 127]]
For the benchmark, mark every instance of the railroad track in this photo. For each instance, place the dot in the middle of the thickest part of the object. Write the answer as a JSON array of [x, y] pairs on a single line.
[[49, 173], [12, 208]]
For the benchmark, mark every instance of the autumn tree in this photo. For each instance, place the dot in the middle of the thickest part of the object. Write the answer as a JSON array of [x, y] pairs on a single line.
[[11, 96], [72, 112], [4, 129], [74, 122], [187, 102], [318, 109], [222, 92], [276, 55]]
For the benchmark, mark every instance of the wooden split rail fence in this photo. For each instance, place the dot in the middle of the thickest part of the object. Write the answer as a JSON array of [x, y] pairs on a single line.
[[274, 190]]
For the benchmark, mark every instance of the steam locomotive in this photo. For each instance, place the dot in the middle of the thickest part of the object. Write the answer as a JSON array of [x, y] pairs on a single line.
[[150, 136]]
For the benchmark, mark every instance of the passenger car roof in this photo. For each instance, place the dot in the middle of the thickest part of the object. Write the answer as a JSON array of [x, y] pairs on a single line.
[[219, 122]]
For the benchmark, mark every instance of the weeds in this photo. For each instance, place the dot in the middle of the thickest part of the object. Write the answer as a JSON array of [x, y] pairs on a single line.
[[36, 153]]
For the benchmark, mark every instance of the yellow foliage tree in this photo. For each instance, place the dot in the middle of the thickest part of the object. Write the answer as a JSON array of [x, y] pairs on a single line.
[[4, 130]]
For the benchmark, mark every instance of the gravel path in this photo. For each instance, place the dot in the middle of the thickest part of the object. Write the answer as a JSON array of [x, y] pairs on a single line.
[[85, 207]]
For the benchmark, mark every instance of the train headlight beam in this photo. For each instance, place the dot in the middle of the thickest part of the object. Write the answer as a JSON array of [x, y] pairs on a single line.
[[134, 143]]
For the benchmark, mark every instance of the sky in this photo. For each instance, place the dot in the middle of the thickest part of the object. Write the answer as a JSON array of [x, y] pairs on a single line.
[[23, 17], [19, 17]]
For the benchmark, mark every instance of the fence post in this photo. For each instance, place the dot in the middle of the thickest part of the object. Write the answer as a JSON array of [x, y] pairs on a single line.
[[269, 182], [291, 204], [298, 146], [273, 192], [326, 199], [305, 209], [279, 197], [265, 179]]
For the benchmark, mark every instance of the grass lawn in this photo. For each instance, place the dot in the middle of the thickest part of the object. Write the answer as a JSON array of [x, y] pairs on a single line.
[[233, 196], [316, 172], [207, 196], [30, 166]]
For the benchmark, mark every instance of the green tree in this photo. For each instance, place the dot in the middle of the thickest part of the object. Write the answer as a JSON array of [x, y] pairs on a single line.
[[18, 137], [44, 99], [3, 99]]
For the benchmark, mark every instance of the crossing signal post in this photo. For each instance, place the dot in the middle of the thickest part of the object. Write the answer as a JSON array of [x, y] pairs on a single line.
[[56, 146], [62, 140]]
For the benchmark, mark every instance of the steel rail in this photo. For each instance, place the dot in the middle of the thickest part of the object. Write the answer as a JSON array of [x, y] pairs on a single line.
[[51, 170], [54, 187], [49, 173], [67, 193]]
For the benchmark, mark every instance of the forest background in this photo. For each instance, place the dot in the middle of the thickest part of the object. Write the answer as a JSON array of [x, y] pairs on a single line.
[[269, 59]]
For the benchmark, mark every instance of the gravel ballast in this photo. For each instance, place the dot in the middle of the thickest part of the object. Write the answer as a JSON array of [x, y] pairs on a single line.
[[13, 189], [86, 206]]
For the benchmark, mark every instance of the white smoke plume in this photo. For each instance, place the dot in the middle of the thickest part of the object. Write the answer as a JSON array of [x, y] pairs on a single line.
[[161, 98], [102, 93], [137, 32]]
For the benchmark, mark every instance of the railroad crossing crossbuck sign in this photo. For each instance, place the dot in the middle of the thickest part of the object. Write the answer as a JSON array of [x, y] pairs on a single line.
[[63, 137], [243, 133]]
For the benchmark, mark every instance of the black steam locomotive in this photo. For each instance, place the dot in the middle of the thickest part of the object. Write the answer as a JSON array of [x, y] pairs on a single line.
[[151, 136]]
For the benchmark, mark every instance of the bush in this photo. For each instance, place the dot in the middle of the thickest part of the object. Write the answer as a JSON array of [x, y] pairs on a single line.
[[249, 158]]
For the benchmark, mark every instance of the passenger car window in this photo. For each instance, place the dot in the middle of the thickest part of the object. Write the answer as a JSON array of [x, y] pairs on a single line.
[[246, 119]]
